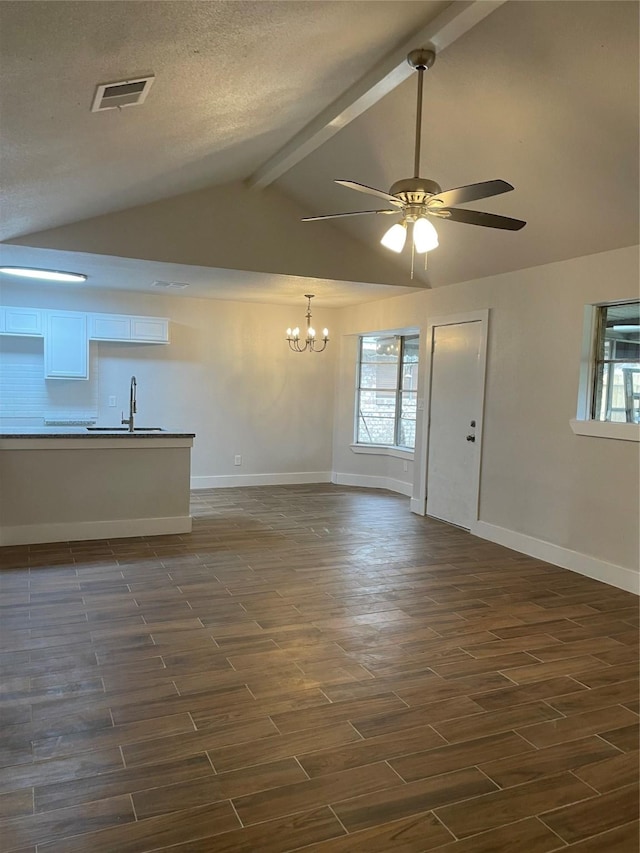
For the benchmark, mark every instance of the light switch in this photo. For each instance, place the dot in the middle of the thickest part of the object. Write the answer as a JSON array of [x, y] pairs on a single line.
[[112, 401]]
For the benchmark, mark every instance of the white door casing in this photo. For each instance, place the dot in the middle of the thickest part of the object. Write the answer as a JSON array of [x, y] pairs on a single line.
[[448, 475]]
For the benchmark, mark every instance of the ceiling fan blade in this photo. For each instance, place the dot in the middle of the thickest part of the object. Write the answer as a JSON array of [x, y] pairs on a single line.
[[472, 192], [336, 215], [477, 217], [361, 188]]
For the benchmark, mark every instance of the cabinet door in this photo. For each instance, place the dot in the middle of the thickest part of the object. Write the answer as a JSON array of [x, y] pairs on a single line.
[[66, 346], [150, 329], [109, 327], [22, 321]]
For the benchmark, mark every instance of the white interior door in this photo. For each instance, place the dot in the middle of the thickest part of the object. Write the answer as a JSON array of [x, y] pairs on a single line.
[[457, 377]]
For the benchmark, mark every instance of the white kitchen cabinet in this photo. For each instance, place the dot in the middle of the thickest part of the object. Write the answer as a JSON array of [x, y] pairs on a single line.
[[150, 329], [21, 321], [128, 328], [109, 327], [66, 345], [67, 335]]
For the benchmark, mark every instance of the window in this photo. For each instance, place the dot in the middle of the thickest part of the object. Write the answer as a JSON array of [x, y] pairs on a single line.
[[616, 389], [386, 398]]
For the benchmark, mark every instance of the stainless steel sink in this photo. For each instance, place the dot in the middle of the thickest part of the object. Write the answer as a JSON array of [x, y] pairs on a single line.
[[124, 429]]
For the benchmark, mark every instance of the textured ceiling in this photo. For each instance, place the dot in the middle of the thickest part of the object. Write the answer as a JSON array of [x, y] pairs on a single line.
[[541, 94], [234, 81]]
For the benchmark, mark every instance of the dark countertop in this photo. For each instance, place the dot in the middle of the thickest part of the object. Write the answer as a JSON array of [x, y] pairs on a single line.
[[83, 432]]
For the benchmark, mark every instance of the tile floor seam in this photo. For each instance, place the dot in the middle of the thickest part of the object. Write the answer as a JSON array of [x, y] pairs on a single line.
[[235, 811], [572, 770], [444, 826], [386, 761], [339, 821], [297, 760], [133, 805], [595, 835], [551, 829]]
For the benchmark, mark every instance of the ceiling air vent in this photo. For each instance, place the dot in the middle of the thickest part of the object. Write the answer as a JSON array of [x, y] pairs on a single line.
[[170, 285], [127, 93]]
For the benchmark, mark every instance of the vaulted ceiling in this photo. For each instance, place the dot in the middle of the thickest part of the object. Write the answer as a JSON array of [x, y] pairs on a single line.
[[541, 94]]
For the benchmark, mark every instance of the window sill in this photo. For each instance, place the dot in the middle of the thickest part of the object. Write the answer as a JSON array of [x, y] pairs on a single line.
[[606, 429], [382, 450]]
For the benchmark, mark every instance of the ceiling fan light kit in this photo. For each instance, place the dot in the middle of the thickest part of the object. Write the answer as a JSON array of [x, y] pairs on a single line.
[[395, 237], [425, 236], [416, 198]]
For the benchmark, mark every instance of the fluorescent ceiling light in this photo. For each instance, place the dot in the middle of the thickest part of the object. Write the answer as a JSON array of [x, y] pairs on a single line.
[[626, 328], [45, 275]]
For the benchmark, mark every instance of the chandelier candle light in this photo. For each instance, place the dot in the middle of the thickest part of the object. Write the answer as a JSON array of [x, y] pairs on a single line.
[[310, 342]]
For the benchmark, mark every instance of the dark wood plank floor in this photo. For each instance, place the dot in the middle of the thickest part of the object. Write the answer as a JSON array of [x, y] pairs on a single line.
[[313, 668]]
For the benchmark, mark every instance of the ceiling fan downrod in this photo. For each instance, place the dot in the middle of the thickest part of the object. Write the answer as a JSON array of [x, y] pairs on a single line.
[[421, 59], [415, 190], [417, 199]]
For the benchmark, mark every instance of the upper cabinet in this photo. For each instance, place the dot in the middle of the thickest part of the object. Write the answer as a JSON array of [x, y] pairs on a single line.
[[109, 327], [21, 321], [125, 327], [67, 335], [66, 347], [150, 329]]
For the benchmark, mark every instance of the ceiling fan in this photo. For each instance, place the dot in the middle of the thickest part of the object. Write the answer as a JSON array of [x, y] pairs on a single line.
[[417, 198]]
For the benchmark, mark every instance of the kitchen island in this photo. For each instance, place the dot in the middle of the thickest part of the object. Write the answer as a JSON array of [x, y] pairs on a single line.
[[65, 484]]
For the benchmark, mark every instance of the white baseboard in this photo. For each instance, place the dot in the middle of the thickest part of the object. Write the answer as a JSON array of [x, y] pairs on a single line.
[[418, 506], [234, 480], [370, 482], [592, 567], [72, 531]]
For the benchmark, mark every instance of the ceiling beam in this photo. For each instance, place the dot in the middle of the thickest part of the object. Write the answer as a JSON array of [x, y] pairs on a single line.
[[456, 20]]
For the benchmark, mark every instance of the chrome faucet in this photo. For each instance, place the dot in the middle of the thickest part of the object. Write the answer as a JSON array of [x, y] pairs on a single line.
[[132, 404]]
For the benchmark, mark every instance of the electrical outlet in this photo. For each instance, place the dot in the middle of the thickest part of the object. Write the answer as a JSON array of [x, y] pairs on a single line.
[[237, 460], [112, 401]]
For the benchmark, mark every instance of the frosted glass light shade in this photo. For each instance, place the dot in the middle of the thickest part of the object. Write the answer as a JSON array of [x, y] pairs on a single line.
[[395, 237], [425, 236]]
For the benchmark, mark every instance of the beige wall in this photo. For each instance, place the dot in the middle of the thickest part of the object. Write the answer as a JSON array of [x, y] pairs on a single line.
[[227, 375], [538, 478]]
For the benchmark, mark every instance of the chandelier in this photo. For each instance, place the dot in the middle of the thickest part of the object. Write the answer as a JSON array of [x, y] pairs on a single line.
[[310, 343]]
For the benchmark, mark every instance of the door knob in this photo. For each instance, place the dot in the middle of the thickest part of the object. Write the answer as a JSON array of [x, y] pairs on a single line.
[[471, 438]]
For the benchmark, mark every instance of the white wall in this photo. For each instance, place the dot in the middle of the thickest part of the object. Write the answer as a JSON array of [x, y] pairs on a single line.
[[539, 480], [227, 375]]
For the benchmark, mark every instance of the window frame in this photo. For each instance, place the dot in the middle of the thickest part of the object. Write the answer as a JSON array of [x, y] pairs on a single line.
[[585, 423], [395, 449]]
